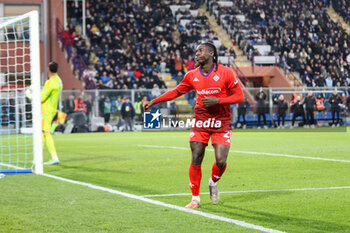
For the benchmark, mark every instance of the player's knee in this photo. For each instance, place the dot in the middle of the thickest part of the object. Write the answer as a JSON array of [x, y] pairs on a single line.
[[197, 149], [221, 163], [197, 158]]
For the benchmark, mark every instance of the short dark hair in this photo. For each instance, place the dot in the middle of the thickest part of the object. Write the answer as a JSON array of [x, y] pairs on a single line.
[[53, 67], [212, 48]]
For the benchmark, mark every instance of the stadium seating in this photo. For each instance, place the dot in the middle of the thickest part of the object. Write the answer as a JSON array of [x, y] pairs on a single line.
[[172, 30], [238, 32], [342, 7], [134, 39], [287, 29]]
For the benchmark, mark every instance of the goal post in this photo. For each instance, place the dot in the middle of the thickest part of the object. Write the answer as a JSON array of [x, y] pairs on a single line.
[[20, 119]]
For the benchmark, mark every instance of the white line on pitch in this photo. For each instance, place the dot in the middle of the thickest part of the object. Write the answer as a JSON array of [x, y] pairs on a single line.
[[255, 153], [12, 166], [175, 207], [251, 191]]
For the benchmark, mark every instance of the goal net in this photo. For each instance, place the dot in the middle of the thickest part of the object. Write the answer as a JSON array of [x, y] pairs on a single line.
[[20, 119]]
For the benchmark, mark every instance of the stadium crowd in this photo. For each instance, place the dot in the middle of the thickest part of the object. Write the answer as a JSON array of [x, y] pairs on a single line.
[[300, 32], [129, 42], [343, 8]]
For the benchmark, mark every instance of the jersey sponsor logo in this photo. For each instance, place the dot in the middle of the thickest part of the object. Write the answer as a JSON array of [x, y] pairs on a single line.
[[216, 78], [195, 79], [209, 91]]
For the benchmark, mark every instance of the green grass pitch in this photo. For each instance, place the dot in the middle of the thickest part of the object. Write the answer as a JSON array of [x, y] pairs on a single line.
[[32, 203]]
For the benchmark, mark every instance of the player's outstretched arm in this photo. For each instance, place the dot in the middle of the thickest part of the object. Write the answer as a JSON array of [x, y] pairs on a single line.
[[167, 96], [183, 88]]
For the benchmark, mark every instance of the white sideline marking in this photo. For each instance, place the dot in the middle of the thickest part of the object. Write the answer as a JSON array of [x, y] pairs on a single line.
[[175, 207], [255, 153], [251, 191]]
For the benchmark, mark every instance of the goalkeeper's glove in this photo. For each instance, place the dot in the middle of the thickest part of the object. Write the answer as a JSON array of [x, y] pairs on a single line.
[[29, 93]]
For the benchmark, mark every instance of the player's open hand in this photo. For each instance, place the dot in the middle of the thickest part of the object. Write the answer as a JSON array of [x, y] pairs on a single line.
[[148, 105], [210, 101]]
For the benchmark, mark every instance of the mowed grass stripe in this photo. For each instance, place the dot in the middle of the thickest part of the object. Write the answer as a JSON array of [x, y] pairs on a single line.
[[159, 203], [117, 163], [249, 191], [33, 203], [253, 152]]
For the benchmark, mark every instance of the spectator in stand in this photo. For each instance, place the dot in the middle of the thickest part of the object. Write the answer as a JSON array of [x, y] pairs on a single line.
[[81, 106], [190, 64], [347, 105], [161, 83], [107, 108], [310, 104], [138, 105], [261, 107], [174, 111], [242, 110], [343, 8], [301, 32], [87, 102], [69, 105], [74, 12], [101, 104], [343, 98], [319, 81], [320, 103], [178, 63], [298, 110], [329, 81], [282, 107], [128, 113], [118, 108], [179, 77], [335, 100], [104, 79], [155, 91]]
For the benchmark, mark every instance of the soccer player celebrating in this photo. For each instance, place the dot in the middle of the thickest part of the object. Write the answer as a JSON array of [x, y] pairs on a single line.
[[216, 87], [49, 100]]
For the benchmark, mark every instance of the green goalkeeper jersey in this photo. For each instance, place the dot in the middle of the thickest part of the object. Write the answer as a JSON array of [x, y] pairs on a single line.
[[51, 94]]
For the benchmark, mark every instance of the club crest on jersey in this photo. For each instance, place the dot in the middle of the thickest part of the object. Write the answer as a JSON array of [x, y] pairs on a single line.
[[216, 78], [195, 79]]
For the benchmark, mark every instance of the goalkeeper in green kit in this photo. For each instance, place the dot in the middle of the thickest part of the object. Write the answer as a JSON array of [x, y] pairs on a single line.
[[49, 100]]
